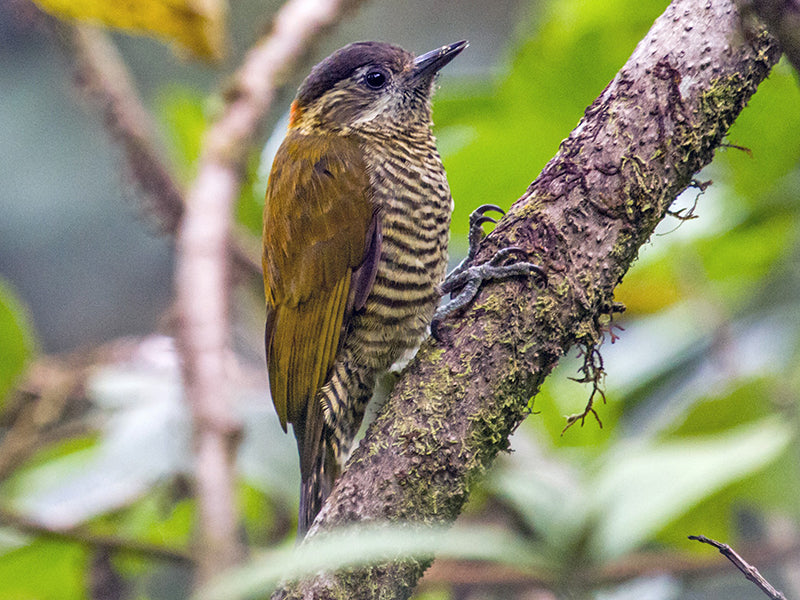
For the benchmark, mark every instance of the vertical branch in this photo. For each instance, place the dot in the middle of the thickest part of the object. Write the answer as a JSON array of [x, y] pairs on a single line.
[[202, 277], [203, 227]]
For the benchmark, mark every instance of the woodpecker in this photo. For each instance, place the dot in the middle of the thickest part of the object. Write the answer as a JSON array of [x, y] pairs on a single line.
[[356, 228]]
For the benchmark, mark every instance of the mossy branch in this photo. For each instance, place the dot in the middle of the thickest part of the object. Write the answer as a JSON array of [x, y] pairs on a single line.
[[583, 219]]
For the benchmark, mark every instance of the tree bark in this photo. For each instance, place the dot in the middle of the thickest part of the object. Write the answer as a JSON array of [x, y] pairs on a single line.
[[583, 220], [782, 18]]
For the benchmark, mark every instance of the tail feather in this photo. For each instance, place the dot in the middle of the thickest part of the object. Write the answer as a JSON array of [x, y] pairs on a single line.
[[319, 468], [315, 487]]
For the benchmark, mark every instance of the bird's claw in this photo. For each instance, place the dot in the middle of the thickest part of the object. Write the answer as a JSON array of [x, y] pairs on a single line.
[[477, 222], [463, 284], [477, 219], [480, 213]]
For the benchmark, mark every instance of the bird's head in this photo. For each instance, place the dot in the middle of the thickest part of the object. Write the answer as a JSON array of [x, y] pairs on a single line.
[[370, 86]]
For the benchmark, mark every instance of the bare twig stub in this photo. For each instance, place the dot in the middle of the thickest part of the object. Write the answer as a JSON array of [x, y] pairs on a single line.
[[749, 571], [202, 278], [596, 202]]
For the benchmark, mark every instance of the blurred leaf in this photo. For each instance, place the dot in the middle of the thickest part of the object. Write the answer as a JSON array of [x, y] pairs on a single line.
[[740, 260], [626, 496], [439, 593], [43, 570], [768, 127], [267, 456], [196, 25], [250, 204], [365, 546], [649, 290], [513, 129], [145, 439], [548, 491], [182, 113], [16, 339], [158, 518], [770, 489], [642, 487], [729, 408]]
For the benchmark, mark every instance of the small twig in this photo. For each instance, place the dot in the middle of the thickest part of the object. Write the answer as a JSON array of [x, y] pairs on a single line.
[[202, 277], [744, 149], [82, 536], [594, 373], [687, 214], [749, 571]]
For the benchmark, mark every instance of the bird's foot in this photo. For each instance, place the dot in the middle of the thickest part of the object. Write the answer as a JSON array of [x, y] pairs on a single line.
[[464, 282], [476, 220]]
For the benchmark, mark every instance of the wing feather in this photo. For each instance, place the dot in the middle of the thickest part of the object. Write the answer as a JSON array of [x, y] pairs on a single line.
[[319, 229]]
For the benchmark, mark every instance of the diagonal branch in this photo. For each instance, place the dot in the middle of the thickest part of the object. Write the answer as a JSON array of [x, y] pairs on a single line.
[[105, 81], [202, 278], [584, 218], [102, 76], [782, 18]]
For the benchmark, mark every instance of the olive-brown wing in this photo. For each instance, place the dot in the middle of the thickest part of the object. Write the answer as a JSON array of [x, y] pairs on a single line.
[[319, 237]]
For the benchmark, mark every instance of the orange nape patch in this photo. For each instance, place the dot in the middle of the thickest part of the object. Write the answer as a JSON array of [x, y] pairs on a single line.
[[295, 112]]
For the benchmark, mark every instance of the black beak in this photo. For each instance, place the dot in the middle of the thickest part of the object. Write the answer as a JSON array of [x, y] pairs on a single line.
[[427, 65]]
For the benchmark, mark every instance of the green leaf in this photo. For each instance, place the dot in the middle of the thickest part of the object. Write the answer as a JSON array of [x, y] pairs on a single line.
[[517, 126], [181, 111], [43, 570], [16, 339], [739, 261], [550, 494], [768, 128], [642, 488], [364, 546]]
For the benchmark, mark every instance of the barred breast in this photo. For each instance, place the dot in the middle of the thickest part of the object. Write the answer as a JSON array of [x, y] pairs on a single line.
[[413, 197]]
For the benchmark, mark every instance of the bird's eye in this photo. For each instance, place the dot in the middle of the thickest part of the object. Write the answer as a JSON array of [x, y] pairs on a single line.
[[376, 79]]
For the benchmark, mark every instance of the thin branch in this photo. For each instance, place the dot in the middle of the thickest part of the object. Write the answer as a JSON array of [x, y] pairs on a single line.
[[103, 77], [583, 220], [81, 536], [202, 278], [106, 83], [748, 570]]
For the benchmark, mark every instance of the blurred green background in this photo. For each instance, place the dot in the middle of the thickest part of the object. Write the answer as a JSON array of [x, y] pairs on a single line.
[[700, 430]]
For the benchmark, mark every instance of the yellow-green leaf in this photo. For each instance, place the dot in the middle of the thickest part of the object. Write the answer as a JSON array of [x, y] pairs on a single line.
[[16, 339], [195, 25]]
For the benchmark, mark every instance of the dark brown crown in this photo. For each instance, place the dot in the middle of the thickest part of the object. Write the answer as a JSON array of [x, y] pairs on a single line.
[[341, 64]]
